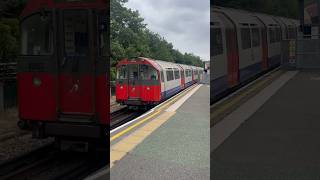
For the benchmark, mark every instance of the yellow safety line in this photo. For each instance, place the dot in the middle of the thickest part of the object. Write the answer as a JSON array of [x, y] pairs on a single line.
[[133, 126], [238, 98], [150, 116]]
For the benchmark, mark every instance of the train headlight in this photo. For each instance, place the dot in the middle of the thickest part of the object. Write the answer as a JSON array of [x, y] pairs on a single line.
[[148, 88], [36, 81], [121, 87]]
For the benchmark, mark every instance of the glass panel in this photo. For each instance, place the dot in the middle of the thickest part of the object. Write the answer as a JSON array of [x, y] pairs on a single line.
[[216, 42], [246, 38], [144, 72], [76, 33], [122, 72], [37, 35], [134, 71], [255, 37], [153, 74]]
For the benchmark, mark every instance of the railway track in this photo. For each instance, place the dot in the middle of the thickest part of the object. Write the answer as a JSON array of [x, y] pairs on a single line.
[[50, 163], [123, 116]]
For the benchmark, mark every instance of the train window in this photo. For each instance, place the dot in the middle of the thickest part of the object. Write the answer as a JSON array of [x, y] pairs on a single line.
[[188, 73], [144, 74], [246, 38], [255, 37], [216, 41], [278, 34], [170, 76], [76, 37], [148, 73], [162, 76], [176, 74], [37, 35], [122, 72], [153, 74]]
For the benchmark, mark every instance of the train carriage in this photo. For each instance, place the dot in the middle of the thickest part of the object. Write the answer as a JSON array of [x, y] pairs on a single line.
[[143, 81], [244, 45], [272, 39], [63, 72]]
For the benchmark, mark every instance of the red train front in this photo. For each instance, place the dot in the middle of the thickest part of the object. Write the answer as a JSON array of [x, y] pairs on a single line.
[[138, 82], [62, 71]]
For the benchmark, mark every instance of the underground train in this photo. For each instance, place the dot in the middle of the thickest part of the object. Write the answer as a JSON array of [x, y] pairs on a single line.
[[145, 82], [63, 71], [244, 45]]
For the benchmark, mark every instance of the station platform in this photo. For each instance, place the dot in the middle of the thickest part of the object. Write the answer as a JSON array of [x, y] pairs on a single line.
[[173, 142], [273, 135]]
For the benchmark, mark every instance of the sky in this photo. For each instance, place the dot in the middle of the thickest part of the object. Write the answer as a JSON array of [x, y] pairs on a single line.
[[184, 23]]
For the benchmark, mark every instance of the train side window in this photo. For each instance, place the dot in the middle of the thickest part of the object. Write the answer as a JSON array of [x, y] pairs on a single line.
[[246, 38], [170, 76], [271, 35], [176, 74], [216, 41], [122, 72], [162, 76], [255, 37], [278, 34]]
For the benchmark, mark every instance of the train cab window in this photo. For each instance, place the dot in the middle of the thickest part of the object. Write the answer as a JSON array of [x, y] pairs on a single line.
[[37, 35], [122, 72], [76, 32], [170, 76], [216, 41], [255, 37], [176, 74], [148, 73], [153, 74], [246, 38]]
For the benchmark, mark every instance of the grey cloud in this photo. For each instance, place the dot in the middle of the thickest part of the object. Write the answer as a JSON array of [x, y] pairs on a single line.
[[184, 23]]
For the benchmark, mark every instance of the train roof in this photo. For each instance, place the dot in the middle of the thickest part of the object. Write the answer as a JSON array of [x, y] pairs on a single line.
[[243, 16], [239, 16], [38, 5], [158, 64]]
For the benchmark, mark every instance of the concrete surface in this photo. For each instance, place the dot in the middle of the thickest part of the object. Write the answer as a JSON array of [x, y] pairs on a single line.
[[179, 149], [281, 140]]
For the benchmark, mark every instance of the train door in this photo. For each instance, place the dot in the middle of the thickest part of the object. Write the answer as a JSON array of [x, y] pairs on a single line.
[[182, 78], [256, 46], [231, 42], [133, 81], [163, 88], [76, 66]]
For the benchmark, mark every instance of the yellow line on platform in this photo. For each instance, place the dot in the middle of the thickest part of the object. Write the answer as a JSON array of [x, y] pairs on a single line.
[[120, 149], [243, 93], [158, 110]]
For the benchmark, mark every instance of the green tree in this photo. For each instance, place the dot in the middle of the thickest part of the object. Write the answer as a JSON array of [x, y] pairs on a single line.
[[131, 38]]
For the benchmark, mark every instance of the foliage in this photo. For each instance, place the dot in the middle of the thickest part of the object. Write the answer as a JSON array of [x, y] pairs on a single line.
[[131, 38], [286, 8], [9, 30]]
